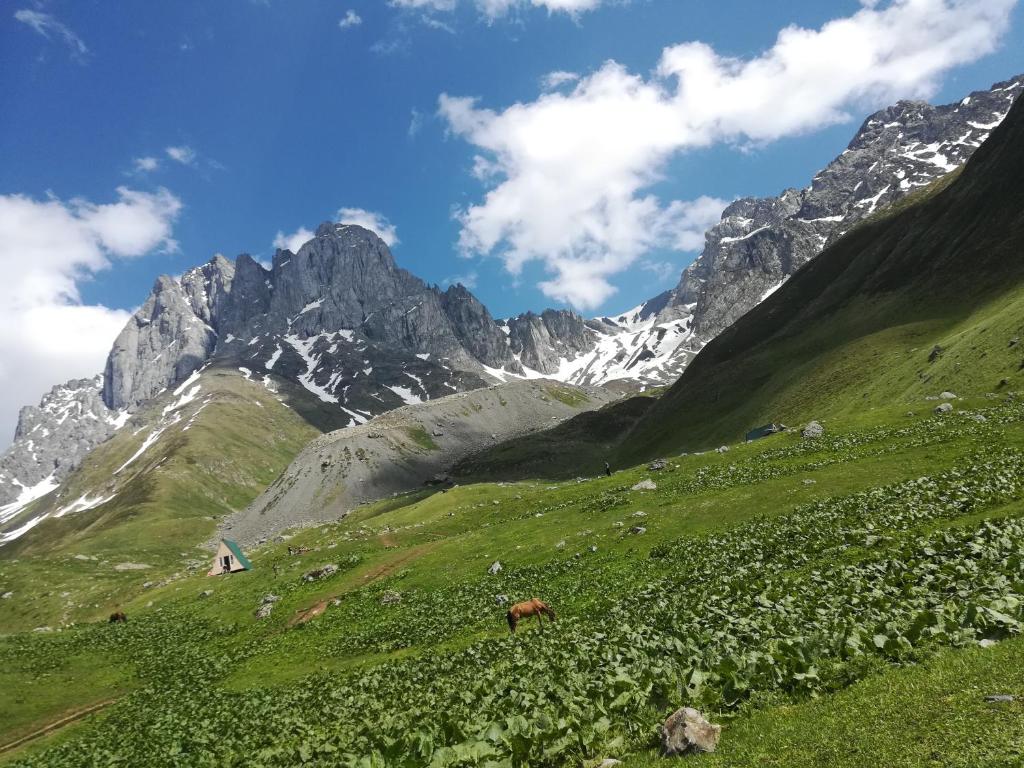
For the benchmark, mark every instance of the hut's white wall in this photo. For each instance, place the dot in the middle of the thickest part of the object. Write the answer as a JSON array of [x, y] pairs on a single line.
[[223, 551]]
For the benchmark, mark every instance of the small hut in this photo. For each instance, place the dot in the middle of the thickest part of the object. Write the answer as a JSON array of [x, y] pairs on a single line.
[[229, 558]]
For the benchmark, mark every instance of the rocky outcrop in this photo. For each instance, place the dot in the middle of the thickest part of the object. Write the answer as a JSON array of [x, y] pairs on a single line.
[[339, 318], [541, 342], [52, 438], [163, 343]]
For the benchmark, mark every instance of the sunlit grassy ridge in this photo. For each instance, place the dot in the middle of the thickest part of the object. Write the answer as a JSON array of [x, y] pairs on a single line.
[[856, 326]]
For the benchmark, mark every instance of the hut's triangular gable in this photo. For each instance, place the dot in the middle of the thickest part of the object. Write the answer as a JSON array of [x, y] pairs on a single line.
[[237, 552]]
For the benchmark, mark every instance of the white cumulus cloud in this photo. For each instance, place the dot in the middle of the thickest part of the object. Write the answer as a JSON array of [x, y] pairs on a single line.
[[46, 25], [371, 220], [568, 175], [183, 154], [145, 164], [494, 9], [350, 19], [556, 79], [47, 248], [295, 240]]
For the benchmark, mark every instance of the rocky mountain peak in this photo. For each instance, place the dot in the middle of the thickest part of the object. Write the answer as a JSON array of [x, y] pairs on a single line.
[[52, 438], [759, 243]]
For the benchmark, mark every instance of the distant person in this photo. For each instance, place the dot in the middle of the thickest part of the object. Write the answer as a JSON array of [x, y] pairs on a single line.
[[608, 469]]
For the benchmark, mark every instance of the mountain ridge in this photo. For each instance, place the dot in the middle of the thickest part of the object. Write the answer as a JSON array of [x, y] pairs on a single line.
[[925, 296], [383, 338]]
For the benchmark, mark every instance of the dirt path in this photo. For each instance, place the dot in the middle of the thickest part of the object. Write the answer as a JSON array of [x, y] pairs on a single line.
[[67, 719], [384, 570], [380, 571]]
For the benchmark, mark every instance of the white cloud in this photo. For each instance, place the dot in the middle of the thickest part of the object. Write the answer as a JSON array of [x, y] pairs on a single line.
[[363, 218], [373, 221], [430, 5], [48, 247], [350, 19], [682, 224], [469, 280], [415, 123], [568, 174], [183, 154], [145, 164], [494, 9], [295, 240], [662, 270], [46, 24], [553, 80], [435, 23]]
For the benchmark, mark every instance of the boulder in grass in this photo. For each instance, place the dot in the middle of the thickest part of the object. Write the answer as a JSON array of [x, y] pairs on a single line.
[[947, 396], [687, 732], [657, 465], [645, 485], [390, 598], [495, 568], [943, 408], [812, 430], [322, 572]]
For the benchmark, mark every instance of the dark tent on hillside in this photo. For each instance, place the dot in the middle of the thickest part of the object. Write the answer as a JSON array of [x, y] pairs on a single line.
[[229, 559], [764, 431]]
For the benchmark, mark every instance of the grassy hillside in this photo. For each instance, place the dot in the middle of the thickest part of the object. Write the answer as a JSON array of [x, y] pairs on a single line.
[[778, 572], [856, 327], [225, 447]]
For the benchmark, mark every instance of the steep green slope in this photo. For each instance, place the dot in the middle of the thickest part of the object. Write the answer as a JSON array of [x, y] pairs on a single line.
[[578, 446], [857, 325]]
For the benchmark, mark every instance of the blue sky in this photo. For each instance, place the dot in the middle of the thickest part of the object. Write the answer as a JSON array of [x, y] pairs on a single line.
[[278, 114]]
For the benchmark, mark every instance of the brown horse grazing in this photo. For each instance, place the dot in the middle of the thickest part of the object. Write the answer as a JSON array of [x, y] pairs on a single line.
[[118, 618], [532, 607]]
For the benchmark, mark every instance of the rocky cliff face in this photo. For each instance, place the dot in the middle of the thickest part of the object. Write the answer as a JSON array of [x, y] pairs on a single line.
[[52, 439], [761, 242], [339, 318], [162, 344]]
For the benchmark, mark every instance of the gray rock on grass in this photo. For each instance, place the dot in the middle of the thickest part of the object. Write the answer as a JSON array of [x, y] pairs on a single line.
[[812, 430], [687, 731]]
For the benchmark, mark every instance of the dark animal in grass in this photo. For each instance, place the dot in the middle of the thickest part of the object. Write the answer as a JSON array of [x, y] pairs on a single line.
[[118, 617], [527, 608]]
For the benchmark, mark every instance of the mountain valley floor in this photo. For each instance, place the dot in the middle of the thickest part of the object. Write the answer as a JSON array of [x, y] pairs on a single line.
[[839, 601]]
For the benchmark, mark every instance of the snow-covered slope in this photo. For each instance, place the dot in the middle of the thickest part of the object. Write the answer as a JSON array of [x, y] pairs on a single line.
[[52, 439], [639, 346]]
